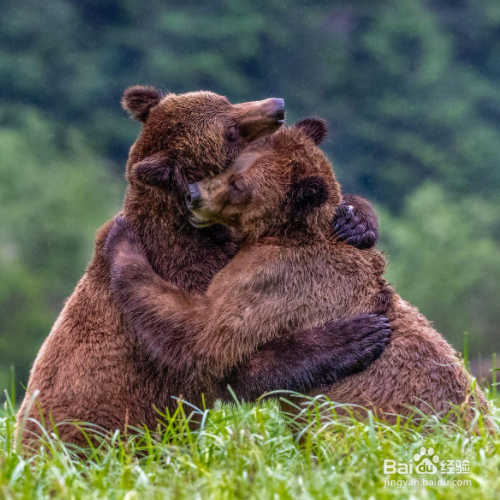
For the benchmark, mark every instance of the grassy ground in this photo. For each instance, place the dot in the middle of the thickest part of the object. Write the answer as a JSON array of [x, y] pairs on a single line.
[[247, 451]]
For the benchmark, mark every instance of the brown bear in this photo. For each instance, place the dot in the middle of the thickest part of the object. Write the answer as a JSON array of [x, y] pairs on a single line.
[[92, 368], [290, 275]]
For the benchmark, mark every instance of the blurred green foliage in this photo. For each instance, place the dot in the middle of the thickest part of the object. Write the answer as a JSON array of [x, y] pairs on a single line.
[[444, 256], [54, 195], [411, 89]]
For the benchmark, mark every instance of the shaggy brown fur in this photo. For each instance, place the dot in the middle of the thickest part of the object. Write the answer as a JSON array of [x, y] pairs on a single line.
[[204, 336], [290, 275], [91, 368]]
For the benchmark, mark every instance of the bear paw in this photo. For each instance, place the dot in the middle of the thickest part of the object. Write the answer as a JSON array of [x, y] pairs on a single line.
[[121, 242], [356, 223]]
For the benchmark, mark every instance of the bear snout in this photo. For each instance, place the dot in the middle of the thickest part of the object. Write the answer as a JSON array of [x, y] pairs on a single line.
[[193, 196]]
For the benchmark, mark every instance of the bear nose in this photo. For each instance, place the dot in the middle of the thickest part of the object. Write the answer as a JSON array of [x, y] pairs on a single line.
[[278, 108], [193, 197]]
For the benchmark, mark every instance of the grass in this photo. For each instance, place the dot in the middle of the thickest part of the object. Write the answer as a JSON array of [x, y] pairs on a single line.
[[248, 451]]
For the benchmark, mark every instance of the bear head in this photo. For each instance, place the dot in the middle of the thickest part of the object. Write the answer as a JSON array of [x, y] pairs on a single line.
[[280, 186], [188, 136]]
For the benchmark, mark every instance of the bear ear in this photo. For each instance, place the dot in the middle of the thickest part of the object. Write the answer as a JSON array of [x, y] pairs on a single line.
[[156, 170], [315, 128], [139, 100], [306, 194]]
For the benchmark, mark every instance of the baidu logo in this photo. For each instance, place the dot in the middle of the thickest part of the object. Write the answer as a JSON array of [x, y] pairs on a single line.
[[426, 461]]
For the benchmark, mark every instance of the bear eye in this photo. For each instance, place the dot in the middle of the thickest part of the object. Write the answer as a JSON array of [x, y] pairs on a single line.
[[238, 193], [232, 133]]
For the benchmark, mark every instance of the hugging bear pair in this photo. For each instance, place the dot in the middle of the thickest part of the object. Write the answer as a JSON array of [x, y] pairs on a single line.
[[267, 298]]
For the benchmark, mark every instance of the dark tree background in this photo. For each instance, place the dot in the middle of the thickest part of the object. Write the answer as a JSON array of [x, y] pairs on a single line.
[[411, 89]]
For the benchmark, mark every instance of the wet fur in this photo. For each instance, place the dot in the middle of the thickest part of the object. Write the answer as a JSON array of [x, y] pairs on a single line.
[[210, 338], [291, 276], [92, 367]]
